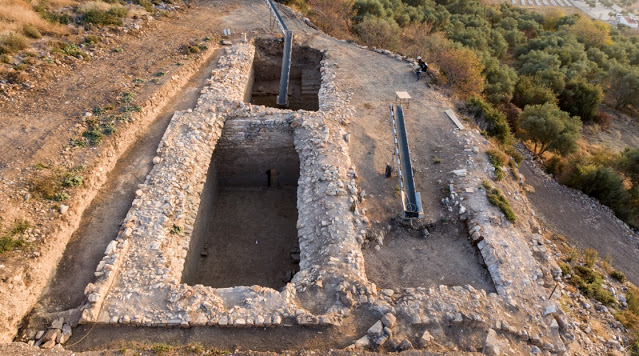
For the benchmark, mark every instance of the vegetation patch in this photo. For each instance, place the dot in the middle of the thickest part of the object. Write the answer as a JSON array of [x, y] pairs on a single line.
[[176, 229], [55, 184], [497, 159], [31, 31], [496, 198], [490, 119], [589, 282], [11, 41], [630, 317], [112, 16], [12, 239], [618, 275]]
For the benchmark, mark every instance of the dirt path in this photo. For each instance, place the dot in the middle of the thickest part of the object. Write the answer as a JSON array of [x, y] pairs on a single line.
[[585, 223]]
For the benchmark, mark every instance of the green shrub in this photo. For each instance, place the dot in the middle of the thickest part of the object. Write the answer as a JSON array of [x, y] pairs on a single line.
[[147, 5], [8, 243], [590, 257], [495, 121], [73, 50], [93, 135], [131, 108], [19, 227], [53, 17], [618, 275], [72, 180], [581, 98], [10, 240], [496, 198], [589, 283], [565, 269], [108, 129], [605, 185], [378, 32], [528, 91], [12, 42], [62, 196], [78, 142], [496, 158], [512, 152], [127, 97], [550, 129], [98, 110], [113, 16], [92, 39], [31, 31], [632, 297]]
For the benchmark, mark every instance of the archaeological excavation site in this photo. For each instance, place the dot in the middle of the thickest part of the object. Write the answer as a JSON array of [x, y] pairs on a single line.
[[281, 190]]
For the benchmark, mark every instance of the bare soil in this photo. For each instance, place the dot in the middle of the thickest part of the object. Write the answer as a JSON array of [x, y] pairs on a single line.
[[36, 128], [226, 339], [623, 132], [408, 259]]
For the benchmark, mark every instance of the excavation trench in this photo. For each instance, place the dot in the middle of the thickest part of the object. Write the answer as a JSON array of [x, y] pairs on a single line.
[[408, 259], [305, 77], [245, 232], [100, 222]]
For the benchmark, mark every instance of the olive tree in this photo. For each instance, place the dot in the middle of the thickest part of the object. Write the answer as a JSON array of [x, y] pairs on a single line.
[[550, 129]]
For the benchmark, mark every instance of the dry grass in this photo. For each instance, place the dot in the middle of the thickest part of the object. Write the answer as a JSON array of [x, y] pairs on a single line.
[[94, 5], [61, 3], [12, 42], [14, 14]]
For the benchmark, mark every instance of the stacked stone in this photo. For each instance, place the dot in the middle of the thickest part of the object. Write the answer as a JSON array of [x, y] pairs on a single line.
[[151, 248], [166, 203]]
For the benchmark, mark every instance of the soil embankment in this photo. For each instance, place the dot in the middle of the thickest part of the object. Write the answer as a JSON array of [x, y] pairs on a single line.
[[585, 222]]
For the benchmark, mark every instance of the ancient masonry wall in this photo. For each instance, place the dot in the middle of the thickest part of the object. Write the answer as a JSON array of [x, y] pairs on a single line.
[[252, 144], [139, 278]]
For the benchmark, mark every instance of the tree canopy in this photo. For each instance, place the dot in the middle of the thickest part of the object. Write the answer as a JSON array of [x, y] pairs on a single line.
[[550, 129]]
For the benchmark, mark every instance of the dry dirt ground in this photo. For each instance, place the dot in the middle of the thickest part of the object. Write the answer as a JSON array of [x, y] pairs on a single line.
[[101, 221], [623, 132]]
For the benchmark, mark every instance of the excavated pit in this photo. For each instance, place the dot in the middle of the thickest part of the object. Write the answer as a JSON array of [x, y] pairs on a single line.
[[245, 232], [305, 77], [408, 259]]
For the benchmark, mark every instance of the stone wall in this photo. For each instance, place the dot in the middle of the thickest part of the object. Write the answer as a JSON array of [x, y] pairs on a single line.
[[251, 145], [139, 278]]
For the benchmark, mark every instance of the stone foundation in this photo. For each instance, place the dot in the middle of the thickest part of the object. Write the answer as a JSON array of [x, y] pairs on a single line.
[[138, 281]]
